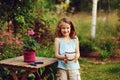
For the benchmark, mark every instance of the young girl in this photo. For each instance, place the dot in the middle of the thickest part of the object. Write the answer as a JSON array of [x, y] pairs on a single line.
[[66, 42]]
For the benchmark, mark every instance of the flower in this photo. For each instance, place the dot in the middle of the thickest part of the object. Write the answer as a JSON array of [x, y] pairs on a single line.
[[31, 32], [29, 41]]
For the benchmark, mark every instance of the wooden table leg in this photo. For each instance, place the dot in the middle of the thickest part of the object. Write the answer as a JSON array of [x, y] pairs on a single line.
[[37, 75], [25, 75], [13, 74], [46, 71]]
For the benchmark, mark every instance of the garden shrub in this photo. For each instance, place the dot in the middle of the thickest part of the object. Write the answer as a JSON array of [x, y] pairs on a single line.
[[118, 31], [5, 74], [86, 47], [9, 46], [43, 34], [104, 54], [107, 47]]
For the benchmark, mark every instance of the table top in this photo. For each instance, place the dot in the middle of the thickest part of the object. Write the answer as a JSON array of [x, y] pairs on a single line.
[[18, 62]]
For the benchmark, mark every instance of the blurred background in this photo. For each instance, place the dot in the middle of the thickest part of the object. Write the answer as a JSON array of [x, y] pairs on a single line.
[[18, 16]]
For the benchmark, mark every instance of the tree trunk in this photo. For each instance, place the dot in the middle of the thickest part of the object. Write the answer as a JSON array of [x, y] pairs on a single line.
[[94, 14]]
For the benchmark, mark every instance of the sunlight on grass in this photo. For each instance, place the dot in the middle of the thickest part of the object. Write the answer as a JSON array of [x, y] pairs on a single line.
[[108, 71]]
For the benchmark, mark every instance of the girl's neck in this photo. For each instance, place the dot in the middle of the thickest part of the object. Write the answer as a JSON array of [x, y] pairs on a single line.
[[66, 37]]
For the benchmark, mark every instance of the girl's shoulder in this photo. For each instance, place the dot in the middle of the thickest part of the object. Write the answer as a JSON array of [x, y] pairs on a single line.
[[76, 38], [57, 39]]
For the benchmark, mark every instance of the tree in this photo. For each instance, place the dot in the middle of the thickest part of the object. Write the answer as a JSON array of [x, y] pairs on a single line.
[[94, 14], [23, 12], [19, 12]]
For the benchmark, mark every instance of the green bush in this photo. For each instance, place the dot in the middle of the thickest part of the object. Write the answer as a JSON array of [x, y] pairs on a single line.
[[104, 54], [86, 47], [107, 47]]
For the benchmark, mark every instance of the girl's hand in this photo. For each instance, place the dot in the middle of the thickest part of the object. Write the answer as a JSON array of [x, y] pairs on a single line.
[[65, 59], [76, 58]]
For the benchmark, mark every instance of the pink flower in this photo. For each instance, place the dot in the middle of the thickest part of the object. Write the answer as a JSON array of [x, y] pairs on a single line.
[[9, 42], [2, 43], [6, 34], [31, 32]]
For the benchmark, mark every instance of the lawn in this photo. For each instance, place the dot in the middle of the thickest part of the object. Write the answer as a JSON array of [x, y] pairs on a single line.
[[106, 71]]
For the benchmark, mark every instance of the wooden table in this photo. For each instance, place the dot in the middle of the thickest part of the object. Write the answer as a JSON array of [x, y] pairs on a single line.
[[18, 63]]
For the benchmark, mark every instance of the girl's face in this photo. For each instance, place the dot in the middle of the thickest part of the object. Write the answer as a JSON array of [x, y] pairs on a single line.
[[65, 29]]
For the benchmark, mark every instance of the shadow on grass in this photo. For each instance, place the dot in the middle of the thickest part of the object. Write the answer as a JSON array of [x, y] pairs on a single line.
[[114, 69]]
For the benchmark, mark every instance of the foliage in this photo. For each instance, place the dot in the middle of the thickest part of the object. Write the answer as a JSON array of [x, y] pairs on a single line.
[[80, 5], [118, 25], [20, 12], [43, 32], [29, 41], [45, 51], [104, 54], [45, 5], [7, 54], [86, 47], [14, 8], [9, 46], [5, 74], [108, 46]]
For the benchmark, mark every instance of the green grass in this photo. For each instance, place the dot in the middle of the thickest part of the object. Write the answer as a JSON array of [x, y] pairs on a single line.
[[108, 71]]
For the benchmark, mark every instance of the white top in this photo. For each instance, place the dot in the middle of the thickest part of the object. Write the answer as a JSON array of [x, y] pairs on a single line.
[[67, 46]]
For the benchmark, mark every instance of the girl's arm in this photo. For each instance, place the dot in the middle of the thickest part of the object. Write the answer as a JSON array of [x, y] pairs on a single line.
[[77, 49], [57, 55]]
